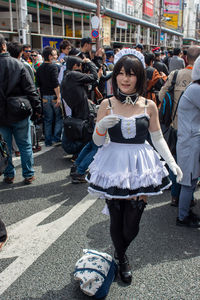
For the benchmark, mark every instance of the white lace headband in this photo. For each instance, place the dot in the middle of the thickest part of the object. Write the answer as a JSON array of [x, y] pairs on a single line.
[[129, 51]]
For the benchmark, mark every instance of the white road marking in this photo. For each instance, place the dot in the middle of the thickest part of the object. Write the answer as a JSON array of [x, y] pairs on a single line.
[[27, 241]]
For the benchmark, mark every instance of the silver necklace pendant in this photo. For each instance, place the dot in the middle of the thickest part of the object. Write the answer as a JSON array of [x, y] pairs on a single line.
[[128, 100]]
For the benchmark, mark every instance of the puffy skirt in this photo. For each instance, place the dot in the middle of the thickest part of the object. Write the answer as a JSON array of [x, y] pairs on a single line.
[[123, 171]]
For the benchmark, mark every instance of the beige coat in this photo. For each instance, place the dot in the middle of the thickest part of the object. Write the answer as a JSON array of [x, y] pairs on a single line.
[[182, 81]]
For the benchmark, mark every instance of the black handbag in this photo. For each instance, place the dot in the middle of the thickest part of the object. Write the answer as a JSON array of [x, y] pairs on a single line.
[[78, 130], [4, 154], [170, 133], [170, 136], [18, 108]]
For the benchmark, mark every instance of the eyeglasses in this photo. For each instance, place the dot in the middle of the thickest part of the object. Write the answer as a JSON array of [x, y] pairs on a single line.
[[27, 51], [34, 55]]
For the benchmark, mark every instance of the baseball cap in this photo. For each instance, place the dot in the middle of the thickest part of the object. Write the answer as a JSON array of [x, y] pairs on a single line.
[[139, 46], [86, 40]]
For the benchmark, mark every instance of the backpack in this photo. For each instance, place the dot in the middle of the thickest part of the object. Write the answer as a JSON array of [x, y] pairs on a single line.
[[165, 111], [95, 271], [154, 83], [4, 154]]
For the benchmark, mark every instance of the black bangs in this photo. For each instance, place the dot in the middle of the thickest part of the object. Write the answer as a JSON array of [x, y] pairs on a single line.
[[130, 64]]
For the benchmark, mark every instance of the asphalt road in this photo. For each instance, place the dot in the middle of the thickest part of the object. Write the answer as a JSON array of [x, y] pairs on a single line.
[[51, 221]]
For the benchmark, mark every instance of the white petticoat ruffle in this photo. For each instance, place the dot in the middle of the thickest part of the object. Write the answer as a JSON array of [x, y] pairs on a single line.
[[127, 166]]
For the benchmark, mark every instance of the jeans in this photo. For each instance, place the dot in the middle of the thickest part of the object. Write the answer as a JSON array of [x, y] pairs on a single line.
[[52, 120], [22, 133], [175, 187], [86, 157], [71, 147], [186, 195]]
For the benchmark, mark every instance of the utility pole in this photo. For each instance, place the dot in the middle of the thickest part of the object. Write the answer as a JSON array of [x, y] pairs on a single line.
[[99, 16], [23, 19], [159, 22]]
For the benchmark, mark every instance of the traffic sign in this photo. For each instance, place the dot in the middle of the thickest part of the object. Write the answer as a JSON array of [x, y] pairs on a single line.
[[95, 33], [95, 22]]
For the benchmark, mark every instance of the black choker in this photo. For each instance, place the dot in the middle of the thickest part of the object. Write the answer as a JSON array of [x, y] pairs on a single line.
[[129, 99]]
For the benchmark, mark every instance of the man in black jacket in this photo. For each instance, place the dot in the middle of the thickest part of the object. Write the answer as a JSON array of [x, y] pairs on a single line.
[[158, 64], [15, 81], [73, 91]]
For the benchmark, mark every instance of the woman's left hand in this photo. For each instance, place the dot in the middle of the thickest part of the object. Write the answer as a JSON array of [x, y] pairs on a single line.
[[177, 171]]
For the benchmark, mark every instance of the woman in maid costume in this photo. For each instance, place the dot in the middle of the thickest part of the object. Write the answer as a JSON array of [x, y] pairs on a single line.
[[127, 170]]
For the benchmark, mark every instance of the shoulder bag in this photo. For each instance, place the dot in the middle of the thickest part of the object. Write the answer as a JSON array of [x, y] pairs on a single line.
[[17, 108]]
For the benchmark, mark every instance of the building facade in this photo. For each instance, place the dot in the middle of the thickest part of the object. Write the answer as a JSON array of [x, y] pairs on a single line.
[[122, 22]]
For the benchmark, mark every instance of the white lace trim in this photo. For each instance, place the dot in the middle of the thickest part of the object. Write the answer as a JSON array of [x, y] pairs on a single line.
[[128, 128], [131, 180]]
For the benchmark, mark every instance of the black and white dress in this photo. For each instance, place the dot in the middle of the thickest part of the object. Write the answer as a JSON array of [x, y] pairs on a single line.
[[128, 166]]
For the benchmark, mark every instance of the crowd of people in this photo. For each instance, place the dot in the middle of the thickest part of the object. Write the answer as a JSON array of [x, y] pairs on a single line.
[[104, 104]]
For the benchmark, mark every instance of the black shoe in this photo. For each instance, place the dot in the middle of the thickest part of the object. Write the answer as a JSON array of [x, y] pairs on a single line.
[[74, 157], [174, 202], [193, 202], [73, 170], [188, 222], [125, 271], [115, 255], [78, 178], [193, 216]]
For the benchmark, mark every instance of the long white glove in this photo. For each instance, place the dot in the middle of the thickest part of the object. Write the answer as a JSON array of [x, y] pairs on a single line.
[[162, 148], [101, 128]]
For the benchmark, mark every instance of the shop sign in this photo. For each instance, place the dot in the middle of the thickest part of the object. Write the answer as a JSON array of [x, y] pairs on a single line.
[[121, 24], [106, 24], [171, 7], [52, 42], [173, 22], [130, 7], [148, 7], [69, 32]]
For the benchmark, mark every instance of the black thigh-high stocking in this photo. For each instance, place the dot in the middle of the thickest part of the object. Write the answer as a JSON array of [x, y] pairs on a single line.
[[116, 210], [125, 217], [132, 215]]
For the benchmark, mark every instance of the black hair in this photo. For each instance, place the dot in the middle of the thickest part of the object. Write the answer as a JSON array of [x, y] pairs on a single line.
[[2, 42], [46, 52], [73, 60], [192, 53], [148, 57], [185, 52], [86, 40], [26, 46], [177, 51], [64, 44], [130, 64], [170, 52], [74, 51], [14, 48], [157, 53], [197, 81]]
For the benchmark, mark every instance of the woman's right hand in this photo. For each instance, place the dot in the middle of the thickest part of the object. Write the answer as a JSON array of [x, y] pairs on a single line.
[[107, 122]]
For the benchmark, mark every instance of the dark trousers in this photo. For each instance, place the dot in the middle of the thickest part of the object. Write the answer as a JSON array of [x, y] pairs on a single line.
[[3, 233], [125, 216]]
